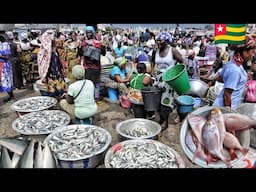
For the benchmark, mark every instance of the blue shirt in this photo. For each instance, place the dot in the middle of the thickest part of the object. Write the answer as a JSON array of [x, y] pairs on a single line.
[[117, 71], [234, 77], [119, 52]]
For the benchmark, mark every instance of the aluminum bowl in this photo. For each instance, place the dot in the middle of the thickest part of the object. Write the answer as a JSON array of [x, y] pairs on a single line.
[[243, 137], [198, 88], [125, 127], [114, 159], [83, 160]]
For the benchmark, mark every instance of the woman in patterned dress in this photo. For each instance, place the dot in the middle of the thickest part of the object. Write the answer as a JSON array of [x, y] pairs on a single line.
[[50, 68], [6, 78]]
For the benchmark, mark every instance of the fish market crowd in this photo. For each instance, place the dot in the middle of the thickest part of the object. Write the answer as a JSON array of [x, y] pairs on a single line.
[[159, 77]]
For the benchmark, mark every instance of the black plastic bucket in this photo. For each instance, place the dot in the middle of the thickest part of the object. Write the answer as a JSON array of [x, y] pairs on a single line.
[[151, 98], [139, 111]]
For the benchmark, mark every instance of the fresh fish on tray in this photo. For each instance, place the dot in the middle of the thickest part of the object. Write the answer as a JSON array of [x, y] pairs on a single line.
[[76, 142], [34, 104], [140, 154], [41, 122]]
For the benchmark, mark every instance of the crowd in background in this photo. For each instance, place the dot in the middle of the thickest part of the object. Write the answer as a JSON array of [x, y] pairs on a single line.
[[49, 56]]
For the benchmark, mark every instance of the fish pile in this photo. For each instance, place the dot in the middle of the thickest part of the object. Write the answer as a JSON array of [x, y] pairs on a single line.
[[215, 138], [143, 154], [138, 131], [19, 153], [40, 122], [76, 142], [34, 104]]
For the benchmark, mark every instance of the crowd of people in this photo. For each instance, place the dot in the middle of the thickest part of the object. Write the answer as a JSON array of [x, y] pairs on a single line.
[[53, 57]]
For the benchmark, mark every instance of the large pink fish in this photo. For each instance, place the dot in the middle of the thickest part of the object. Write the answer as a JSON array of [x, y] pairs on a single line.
[[211, 141], [194, 146], [232, 142], [236, 121], [217, 116], [196, 123]]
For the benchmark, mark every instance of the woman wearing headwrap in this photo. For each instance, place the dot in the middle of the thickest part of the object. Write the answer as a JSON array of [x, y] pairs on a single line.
[[6, 81], [91, 62], [165, 57], [49, 65], [79, 101], [234, 76], [119, 78]]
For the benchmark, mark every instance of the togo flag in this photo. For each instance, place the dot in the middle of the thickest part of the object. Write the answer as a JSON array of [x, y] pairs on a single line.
[[230, 33]]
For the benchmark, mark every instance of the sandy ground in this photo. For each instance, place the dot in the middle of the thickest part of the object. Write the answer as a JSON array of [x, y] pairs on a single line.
[[109, 115]]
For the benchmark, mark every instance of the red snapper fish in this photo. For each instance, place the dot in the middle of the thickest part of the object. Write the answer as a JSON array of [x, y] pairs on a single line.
[[236, 121], [232, 142], [194, 146], [211, 141], [196, 123], [217, 116]]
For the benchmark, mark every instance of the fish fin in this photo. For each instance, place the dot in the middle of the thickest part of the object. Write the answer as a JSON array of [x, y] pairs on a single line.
[[232, 153], [244, 151]]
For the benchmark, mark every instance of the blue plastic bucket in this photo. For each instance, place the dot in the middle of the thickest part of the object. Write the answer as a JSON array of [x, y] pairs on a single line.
[[185, 103], [113, 94]]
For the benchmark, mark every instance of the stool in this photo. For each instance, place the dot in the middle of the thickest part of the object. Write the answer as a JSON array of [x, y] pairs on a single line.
[[86, 121], [112, 94]]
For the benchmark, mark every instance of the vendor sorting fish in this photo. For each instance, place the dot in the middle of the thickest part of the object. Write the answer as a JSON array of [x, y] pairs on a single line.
[[209, 138], [146, 65]]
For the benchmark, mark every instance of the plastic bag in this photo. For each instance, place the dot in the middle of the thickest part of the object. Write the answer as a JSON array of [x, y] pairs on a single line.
[[167, 98], [125, 102], [250, 95]]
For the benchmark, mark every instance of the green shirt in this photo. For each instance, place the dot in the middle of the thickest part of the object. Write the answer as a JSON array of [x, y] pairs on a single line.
[[137, 81]]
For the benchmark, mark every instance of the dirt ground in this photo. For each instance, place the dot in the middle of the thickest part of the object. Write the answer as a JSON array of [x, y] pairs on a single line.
[[108, 116]]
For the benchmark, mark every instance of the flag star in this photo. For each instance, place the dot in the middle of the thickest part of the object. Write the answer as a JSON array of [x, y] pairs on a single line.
[[220, 28]]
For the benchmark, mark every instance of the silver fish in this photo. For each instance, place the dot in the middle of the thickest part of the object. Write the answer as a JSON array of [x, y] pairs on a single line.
[[27, 159], [143, 155], [5, 160], [48, 159], [34, 104], [41, 122], [138, 131], [77, 142], [39, 156], [15, 145], [15, 160]]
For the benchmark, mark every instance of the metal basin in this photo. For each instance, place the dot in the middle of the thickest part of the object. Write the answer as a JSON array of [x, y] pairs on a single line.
[[138, 128], [198, 88], [243, 137]]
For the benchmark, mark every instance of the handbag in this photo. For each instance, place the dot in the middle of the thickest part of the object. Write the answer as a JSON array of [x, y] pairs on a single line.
[[93, 53], [135, 95]]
